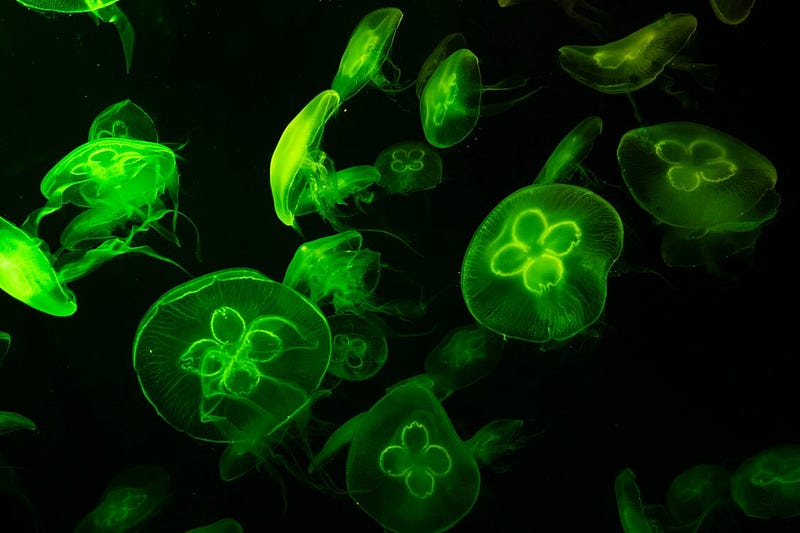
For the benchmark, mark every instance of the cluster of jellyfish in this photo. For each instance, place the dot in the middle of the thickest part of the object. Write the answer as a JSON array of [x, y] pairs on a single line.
[[236, 358]]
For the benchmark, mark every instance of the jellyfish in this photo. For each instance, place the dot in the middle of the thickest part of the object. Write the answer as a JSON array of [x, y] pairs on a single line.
[[223, 525], [100, 10], [10, 421], [446, 46], [634, 515], [570, 152], [130, 500], [466, 354], [367, 52], [124, 119], [359, 348], [767, 485], [732, 12], [27, 273], [5, 343], [409, 166], [348, 185], [536, 267], [406, 466], [232, 357], [711, 190], [693, 493], [632, 62]]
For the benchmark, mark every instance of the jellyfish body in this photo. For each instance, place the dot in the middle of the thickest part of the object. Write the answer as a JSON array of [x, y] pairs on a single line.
[[124, 119], [131, 499], [496, 438], [767, 485], [465, 355], [298, 162], [446, 46], [352, 184], [408, 167], [231, 351], [697, 490], [27, 273], [359, 348], [102, 10], [630, 507], [570, 152], [536, 267], [10, 421], [711, 190], [632, 62], [5, 344], [367, 50], [732, 12]]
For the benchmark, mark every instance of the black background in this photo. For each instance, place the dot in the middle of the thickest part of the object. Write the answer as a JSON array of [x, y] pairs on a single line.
[[690, 366]]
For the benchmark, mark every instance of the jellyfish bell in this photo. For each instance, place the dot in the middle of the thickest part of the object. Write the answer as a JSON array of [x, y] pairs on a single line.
[[446, 46], [123, 119], [359, 348], [566, 158], [732, 12], [409, 166], [465, 354]]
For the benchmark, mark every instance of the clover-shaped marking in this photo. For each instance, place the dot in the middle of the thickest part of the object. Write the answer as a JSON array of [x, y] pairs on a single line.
[[691, 165], [407, 160], [536, 250], [416, 460]]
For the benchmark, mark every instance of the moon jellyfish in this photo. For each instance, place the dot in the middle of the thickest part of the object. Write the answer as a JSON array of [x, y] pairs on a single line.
[[124, 119], [100, 10], [406, 466], [632, 62], [696, 491], [767, 485], [450, 104], [408, 167], [446, 46], [465, 355], [536, 267], [359, 348], [366, 53], [130, 500], [348, 185], [231, 356], [570, 152], [634, 515], [732, 12], [27, 273], [10, 421], [711, 190]]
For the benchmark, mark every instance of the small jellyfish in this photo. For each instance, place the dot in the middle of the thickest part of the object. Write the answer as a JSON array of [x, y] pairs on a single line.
[[124, 119], [767, 485], [465, 355], [536, 267], [408, 167], [711, 190], [5, 344], [634, 515], [100, 10], [632, 62], [10, 421], [446, 46], [130, 500], [223, 525], [367, 52], [732, 12], [359, 348], [567, 157], [696, 491], [231, 354], [451, 104], [498, 437]]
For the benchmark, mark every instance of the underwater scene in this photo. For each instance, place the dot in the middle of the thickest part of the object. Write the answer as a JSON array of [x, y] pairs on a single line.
[[412, 266]]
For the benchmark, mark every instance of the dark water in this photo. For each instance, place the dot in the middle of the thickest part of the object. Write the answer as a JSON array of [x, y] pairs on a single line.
[[690, 366]]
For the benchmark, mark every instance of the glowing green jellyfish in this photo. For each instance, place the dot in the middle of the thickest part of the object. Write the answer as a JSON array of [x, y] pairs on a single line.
[[634, 515], [465, 355], [223, 525], [100, 10], [27, 273], [359, 348], [696, 491], [231, 351], [767, 485], [732, 12], [711, 190], [10, 421], [446, 46], [366, 53], [536, 267], [408, 167], [124, 119], [570, 152], [131, 499], [345, 186], [5, 343], [632, 62]]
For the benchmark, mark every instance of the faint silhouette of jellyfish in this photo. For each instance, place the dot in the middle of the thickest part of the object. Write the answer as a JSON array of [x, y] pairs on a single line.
[[234, 357], [767, 485], [100, 10], [5, 343], [634, 515], [732, 12], [130, 501], [409, 166], [366, 54], [571, 150], [446, 46], [359, 348], [224, 525], [711, 191], [698, 491], [580, 11], [406, 466], [10, 421], [536, 267], [124, 119]]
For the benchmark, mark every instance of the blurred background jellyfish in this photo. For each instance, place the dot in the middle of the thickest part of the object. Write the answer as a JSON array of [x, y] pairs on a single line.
[[5, 344], [409, 166], [446, 46], [10, 421], [367, 54], [570, 152], [696, 492], [767, 484], [712, 191], [536, 267], [100, 10], [634, 515], [732, 12], [129, 502], [233, 357], [124, 119], [223, 525], [359, 347], [407, 467]]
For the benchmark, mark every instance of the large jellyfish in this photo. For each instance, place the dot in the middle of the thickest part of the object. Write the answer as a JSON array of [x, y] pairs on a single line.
[[537, 265], [767, 485], [711, 190], [100, 10]]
